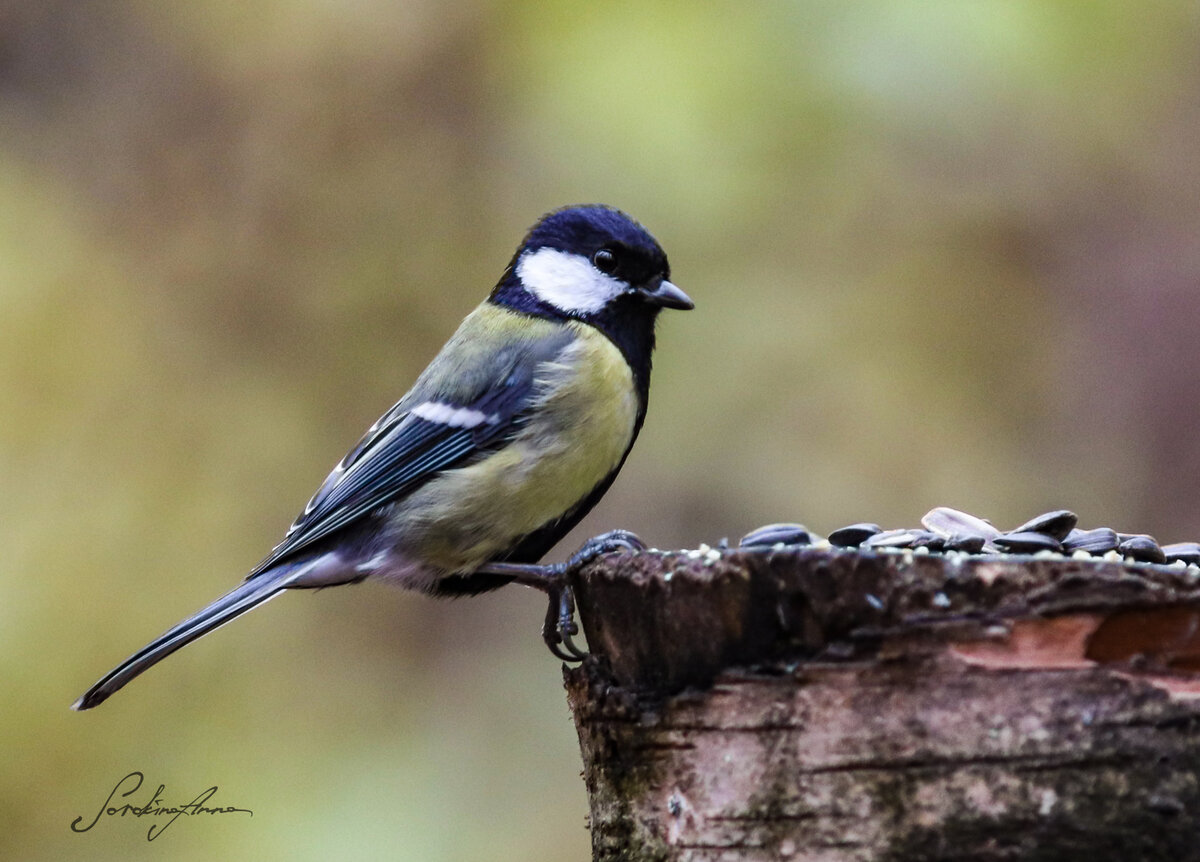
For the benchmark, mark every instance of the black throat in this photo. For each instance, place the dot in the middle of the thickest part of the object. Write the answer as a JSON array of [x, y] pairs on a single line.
[[628, 322]]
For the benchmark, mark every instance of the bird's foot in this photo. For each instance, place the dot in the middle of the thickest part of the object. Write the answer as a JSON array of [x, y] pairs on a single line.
[[606, 543], [560, 627], [558, 632]]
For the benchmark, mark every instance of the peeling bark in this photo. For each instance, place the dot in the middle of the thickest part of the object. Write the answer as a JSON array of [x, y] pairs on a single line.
[[838, 705]]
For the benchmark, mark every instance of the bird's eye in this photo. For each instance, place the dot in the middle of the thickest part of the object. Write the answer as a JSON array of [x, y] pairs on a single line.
[[605, 261]]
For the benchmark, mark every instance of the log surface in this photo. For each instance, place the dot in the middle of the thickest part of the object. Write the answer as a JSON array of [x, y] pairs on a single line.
[[845, 705]]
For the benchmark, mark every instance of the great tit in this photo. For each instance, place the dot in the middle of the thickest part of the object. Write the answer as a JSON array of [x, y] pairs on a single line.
[[508, 438]]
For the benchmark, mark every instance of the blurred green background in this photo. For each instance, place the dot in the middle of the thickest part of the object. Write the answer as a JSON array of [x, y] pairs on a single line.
[[942, 253]]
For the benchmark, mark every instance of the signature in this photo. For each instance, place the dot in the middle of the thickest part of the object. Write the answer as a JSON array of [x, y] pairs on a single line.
[[155, 807]]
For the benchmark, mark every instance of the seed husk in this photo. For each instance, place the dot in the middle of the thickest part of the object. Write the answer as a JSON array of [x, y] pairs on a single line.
[[1143, 549], [1189, 552], [776, 534], [1097, 542], [893, 539], [1057, 524], [853, 535], [1026, 542], [951, 522]]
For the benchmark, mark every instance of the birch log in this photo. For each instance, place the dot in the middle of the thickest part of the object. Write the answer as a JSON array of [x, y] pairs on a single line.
[[844, 705]]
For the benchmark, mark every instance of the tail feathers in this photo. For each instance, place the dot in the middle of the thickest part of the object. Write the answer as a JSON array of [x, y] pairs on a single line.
[[246, 596]]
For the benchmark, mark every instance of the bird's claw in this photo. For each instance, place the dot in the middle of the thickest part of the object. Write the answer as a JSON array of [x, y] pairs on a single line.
[[606, 543], [560, 626]]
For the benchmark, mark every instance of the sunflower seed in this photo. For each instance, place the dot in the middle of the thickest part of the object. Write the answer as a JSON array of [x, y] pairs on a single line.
[[1188, 552], [1098, 541], [776, 534], [854, 535], [893, 539], [1143, 549], [1026, 542], [1056, 524], [948, 522], [965, 542], [929, 541]]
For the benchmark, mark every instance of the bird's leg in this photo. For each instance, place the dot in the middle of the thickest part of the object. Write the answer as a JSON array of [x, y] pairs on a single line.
[[560, 626]]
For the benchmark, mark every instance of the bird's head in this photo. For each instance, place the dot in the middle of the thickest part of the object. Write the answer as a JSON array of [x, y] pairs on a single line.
[[592, 263]]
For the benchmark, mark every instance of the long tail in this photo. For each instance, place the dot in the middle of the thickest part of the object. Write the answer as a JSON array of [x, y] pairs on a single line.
[[246, 596]]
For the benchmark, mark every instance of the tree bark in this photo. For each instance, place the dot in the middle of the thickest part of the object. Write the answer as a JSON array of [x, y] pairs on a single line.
[[845, 705]]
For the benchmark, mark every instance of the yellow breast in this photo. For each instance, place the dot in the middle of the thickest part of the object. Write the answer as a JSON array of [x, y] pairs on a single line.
[[583, 422]]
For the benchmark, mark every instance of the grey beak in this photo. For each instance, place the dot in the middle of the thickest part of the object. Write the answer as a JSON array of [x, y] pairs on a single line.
[[667, 295]]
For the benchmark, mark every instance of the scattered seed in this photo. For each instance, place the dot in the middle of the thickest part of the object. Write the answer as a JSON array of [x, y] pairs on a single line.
[[965, 542], [1056, 524], [854, 535], [776, 534], [948, 522], [951, 531], [892, 539], [1026, 543], [1186, 552], [1142, 549], [929, 540], [1097, 542]]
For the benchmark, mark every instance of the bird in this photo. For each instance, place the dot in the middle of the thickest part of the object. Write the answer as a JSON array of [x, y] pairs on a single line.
[[506, 440]]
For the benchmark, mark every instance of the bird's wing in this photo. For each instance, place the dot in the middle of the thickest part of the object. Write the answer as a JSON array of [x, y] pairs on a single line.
[[473, 409]]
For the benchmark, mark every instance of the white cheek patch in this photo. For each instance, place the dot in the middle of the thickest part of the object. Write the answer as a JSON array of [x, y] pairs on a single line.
[[567, 281], [454, 417]]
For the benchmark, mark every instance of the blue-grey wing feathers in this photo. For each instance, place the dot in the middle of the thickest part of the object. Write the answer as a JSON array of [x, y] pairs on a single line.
[[424, 433]]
